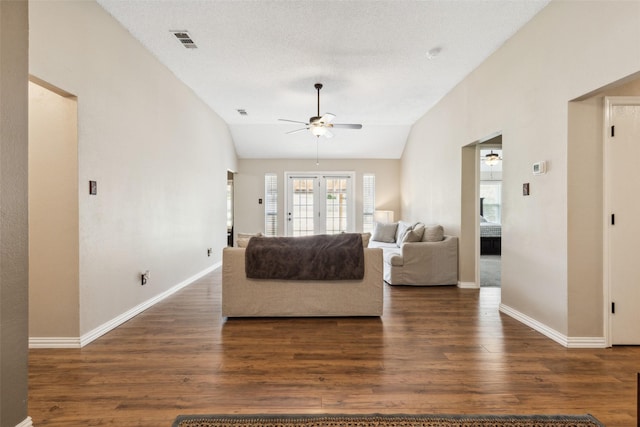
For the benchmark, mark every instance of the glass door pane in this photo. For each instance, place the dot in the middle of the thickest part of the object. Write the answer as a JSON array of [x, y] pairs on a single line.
[[301, 217], [336, 212]]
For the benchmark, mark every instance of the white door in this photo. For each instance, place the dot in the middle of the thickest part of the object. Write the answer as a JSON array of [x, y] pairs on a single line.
[[319, 204], [302, 207], [622, 177]]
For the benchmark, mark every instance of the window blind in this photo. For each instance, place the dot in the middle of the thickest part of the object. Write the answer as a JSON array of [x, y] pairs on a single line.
[[270, 204], [368, 201]]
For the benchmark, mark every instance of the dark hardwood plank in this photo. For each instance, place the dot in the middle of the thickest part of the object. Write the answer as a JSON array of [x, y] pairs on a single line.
[[435, 350]]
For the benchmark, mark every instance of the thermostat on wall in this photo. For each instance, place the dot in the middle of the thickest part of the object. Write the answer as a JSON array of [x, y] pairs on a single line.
[[539, 168]]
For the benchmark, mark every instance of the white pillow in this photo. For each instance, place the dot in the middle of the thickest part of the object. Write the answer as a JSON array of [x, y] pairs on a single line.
[[403, 228], [383, 232]]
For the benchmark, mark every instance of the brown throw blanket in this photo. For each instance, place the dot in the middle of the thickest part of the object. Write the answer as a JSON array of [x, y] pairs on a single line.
[[321, 257]]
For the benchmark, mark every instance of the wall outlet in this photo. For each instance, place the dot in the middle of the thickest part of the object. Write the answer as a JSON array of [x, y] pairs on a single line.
[[144, 277]]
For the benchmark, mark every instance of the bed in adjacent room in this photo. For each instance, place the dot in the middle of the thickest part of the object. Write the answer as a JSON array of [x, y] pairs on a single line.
[[490, 237]]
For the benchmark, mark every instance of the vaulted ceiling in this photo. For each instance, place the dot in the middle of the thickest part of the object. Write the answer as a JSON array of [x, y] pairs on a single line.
[[373, 58]]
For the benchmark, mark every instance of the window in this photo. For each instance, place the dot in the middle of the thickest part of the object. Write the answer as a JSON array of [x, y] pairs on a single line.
[[270, 204], [336, 208], [368, 201], [490, 194], [229, 204]]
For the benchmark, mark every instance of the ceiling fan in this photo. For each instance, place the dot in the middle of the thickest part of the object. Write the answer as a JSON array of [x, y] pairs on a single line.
[[321, 125]]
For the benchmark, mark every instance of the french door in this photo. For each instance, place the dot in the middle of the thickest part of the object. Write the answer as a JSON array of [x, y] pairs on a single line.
[[319, 203]]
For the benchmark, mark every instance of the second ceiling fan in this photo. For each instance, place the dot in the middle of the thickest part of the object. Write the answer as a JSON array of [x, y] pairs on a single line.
[[321, 125]]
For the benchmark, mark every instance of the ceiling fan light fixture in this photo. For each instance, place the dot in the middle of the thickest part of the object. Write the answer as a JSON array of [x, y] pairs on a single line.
[[318, 130], [492, 159], [320, 125]]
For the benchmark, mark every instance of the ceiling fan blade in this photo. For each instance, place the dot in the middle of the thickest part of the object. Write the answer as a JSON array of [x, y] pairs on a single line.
[[327, 118], [295, 131], [346, 126], [293, 121]]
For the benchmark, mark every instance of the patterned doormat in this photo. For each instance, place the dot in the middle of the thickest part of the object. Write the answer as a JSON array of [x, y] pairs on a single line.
[[380, 420]]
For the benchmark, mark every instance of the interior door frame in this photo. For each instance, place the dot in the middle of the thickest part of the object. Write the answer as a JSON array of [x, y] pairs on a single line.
[[609, 102]]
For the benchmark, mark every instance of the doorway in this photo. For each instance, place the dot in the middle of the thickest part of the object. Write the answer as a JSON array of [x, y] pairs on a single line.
[[471, 273], [490, 192], [229, 208], [53, 217]]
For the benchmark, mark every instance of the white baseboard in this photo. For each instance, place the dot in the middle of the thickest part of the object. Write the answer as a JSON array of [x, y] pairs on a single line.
[[54, 342], [26, 423], [562, 339], [79, 342], [468, 285]]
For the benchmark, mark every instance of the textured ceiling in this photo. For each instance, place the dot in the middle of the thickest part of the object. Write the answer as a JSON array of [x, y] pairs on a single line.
[[265, 57]]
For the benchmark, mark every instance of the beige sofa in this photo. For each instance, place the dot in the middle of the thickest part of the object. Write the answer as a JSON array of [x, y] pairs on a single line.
[[426, 258], [243, 297]]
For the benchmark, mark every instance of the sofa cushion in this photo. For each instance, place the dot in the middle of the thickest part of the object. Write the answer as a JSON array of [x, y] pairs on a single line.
[[414, 234], [433, 233], [365, 239], [383, 232], [403, 229], [243, 238], [383, 245]]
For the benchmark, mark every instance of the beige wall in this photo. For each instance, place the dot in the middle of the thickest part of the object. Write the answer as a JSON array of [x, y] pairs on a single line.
[[158, 153], [586, 206], [523, 91], [53, 214], [14, 36], [249, 187]]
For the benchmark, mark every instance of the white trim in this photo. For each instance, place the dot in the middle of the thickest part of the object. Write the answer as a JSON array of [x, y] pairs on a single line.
[[586, 342], [26, 423], [468, 285], [73, 342], [54, 342], [569, 342]]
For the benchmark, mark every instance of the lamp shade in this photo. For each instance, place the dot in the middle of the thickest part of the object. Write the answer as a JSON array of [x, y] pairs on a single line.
[[383, 217]]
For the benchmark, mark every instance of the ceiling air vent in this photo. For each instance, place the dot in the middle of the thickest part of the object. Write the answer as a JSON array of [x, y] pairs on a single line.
[[185, 39]]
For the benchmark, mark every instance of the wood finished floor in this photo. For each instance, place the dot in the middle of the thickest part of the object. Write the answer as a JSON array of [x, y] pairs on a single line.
[[435, 350]]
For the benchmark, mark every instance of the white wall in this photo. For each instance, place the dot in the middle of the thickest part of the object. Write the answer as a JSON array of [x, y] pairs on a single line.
[[523, 90], [158, 153], [249, 187]]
